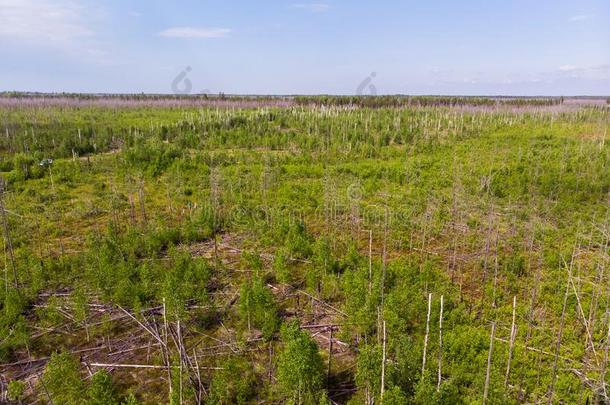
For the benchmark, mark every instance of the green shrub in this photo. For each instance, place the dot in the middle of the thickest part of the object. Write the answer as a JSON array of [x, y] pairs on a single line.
[[257, 307], [300, 369], [101, 390], [235, 383], [62, 380]]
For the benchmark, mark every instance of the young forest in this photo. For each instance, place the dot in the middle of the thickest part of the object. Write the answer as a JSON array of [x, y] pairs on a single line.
[[304, 250]]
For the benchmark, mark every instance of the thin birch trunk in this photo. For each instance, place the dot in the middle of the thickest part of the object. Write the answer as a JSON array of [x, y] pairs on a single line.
[[169, 369], [440, 346], [370, 261], [488, 373], [385, 256], [142, 204], [423, 365], [602, 376], [383, 363], [330, 353], [513, 335]]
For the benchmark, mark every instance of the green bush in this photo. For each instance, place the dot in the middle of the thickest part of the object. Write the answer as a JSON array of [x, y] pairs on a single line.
[[257, 307], [62, 380], [300, 369], [235, 383]]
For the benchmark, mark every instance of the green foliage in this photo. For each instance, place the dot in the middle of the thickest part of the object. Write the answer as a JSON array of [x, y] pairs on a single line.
[[277, 181], [234, 384], [81, 309], [49, 315], [360, 304], [130, 400], [300, 369], [257, 306], [281, 266], [253, 261], [368, 371], [182, 390], [297, 240], [426, 393], [62, 381], [13, 328], [152, 155], [323, 257], [16, 390], [394, 396], [324, 263], [101, 390], [185, 279]]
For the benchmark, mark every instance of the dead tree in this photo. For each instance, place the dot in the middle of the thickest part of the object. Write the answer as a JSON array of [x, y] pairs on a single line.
[[383, 360], [487, 245], [385, 256], [370, 261], [168, 361], [530, 316], [142, 203], [496, 265], [602, 376], [330, 353], [513, 335], [423, 365], [440, 346]]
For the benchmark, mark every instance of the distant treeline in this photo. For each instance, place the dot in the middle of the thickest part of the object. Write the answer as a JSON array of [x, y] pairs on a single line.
[[285, 100], [424, 101], [138, 96]]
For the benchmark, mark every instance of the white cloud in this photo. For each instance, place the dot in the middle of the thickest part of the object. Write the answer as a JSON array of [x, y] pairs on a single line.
[[42, 21], [580, 17], [597, 72], [312, 7], [195, 32]]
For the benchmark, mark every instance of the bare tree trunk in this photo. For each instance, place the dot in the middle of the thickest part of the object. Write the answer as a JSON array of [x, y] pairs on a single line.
[[423, 365], [440, 346], [530, 316], [180, 350], [370, 261], [495, 281], [584, 321], [168, 360], [330, 354], [142, 204], [488, 373], [602, 376], [383, 364], [201, 389], [487, 246], [385, 256], [513, 335]]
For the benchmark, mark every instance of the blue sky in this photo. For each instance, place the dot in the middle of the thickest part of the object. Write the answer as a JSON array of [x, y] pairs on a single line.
[[490, 47]]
